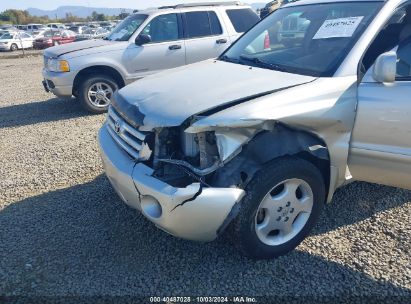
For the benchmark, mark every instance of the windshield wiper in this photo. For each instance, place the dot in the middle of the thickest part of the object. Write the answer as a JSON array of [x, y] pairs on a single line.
[[259, 63], [228, 59]]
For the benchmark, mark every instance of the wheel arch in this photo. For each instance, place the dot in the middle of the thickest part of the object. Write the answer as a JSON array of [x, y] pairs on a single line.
[[267, 146], [97, 70], [14, 43]]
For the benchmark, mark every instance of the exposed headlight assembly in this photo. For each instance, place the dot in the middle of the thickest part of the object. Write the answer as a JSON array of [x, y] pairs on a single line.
[[230, 142]]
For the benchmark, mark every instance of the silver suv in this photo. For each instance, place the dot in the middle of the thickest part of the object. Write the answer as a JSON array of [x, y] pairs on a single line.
[[260, 140], [144, 43]]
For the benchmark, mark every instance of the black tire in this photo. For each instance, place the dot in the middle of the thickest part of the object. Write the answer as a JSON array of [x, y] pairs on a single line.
[[56, 43], [14, 47], [84, 87], [242, 229]]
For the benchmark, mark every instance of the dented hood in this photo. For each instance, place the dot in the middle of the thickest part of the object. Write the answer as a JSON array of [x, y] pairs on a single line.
[[169, 98], [68, 48]]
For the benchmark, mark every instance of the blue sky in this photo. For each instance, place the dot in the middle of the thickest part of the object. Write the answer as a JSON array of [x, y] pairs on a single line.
[[53, 4]]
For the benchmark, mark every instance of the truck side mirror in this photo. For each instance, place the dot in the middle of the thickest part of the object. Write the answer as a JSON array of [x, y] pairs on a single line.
[[385, 68], [143, 39]]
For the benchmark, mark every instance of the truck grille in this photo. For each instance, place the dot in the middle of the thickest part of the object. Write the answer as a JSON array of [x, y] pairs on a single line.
[[126, 136]]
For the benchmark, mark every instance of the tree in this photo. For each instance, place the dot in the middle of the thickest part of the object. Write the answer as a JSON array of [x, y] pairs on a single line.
[[123, 15], [97, 17], [23, 17], [15, 16], [70, 18]]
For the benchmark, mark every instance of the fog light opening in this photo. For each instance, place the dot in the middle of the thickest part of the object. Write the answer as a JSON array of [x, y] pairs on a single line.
[[151, 207]]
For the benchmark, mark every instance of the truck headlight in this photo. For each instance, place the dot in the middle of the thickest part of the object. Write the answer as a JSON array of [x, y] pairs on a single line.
[[55, 65]]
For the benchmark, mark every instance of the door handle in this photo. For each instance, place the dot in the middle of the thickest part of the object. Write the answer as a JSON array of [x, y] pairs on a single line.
[[174, 47], [221, 41]]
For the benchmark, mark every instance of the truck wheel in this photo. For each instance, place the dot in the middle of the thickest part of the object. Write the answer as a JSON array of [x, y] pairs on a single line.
[[282, 204], [95, 93], [14, 47]]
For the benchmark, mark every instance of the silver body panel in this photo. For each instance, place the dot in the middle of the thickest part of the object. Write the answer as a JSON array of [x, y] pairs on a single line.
[[381, 141], [198, 219], [222, 81]]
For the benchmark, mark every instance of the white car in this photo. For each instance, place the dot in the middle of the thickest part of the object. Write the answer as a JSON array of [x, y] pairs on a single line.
[[12, 41], [92, 33]]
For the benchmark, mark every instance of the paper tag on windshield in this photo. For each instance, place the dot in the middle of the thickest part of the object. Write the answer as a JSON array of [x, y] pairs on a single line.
[[338, 28]]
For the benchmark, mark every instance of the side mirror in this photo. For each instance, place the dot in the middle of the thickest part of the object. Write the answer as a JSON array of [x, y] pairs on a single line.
[[143, 39], [385, 67]]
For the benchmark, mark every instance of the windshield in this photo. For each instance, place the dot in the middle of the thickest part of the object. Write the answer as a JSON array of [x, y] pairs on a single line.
[[126, 28], [51, 34], [310, 40]]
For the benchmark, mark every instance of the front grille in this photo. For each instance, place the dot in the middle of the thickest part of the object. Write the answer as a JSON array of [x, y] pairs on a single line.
[[126, 136]]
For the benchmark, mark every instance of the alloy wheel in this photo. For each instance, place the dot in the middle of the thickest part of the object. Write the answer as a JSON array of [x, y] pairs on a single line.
[[284, 211], [99, 94]]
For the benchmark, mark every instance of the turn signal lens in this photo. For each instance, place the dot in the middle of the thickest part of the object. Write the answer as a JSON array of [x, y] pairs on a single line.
[[64, 66]]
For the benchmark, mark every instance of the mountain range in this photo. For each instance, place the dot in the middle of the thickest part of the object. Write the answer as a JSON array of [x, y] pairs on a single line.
[[83, 11], [79, 11]]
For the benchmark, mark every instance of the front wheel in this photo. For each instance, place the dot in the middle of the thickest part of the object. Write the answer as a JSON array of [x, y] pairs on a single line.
[[56, 43], [95, 93], [13, 47], [282, 204]]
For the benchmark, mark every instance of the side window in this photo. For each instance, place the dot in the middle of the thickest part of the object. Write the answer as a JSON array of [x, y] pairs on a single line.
[[163, 28], [216, 28], [202, 24], [394, 34], [242, 19], [24, 35]]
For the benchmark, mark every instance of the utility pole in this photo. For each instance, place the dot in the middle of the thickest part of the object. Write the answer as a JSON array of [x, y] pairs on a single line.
[[22, 45]]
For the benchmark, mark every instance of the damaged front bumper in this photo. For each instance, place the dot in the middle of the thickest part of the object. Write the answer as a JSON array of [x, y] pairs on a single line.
[[193, 212]]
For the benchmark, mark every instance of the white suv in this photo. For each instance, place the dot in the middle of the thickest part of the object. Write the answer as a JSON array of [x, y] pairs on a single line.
[[144, 43]]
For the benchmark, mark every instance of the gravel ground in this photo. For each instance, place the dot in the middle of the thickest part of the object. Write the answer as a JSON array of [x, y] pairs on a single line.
[[19, 53], [65, 233]]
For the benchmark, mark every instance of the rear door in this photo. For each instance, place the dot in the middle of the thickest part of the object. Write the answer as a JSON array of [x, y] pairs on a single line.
[[205, 35], [27, 40], [165, 51], [241, 19]]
